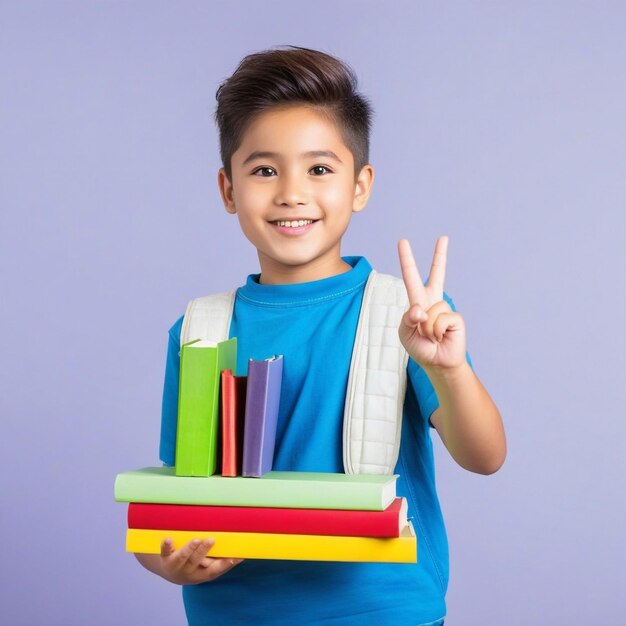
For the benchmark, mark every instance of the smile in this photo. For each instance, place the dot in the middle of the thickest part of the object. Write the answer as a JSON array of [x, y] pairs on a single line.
[[294, 227]]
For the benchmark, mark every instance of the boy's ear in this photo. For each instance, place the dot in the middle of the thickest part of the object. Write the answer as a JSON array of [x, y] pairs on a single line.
[[226, 191], [363, 188]]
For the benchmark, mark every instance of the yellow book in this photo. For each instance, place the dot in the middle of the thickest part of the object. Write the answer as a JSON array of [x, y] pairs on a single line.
[[401, 549]]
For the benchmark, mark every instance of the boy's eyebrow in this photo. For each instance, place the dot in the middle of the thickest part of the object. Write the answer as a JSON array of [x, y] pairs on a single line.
[[258, 154]]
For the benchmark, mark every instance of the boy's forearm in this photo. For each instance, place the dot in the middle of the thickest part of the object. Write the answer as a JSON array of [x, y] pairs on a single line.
[[467, 420], [152, 562]]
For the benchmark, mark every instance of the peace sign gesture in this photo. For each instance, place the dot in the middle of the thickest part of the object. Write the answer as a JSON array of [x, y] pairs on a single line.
[[431, 332]]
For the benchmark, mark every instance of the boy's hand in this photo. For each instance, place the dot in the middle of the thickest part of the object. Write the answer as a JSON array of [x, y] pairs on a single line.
[[433, 335], [190, 564]]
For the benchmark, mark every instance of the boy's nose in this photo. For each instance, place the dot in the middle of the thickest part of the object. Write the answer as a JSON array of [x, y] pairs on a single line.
[[291, 192]]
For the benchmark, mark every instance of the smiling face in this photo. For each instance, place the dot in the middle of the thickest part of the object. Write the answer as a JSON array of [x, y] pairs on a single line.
[[293, 165]]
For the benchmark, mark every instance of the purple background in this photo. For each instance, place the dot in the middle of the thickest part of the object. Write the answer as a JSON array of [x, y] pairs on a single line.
[[500, 124]]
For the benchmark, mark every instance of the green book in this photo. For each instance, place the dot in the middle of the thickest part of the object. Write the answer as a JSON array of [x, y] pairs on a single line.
[[297, 490], [201, 363]]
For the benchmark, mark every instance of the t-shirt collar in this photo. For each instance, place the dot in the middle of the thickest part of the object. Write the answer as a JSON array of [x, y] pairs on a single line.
[[309, 292]]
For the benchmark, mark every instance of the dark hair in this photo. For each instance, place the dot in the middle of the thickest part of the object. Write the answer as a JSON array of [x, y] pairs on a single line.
[[298, 76]]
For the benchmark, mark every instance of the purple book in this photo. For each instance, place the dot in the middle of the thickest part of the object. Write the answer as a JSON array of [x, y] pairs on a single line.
[[262, 401]]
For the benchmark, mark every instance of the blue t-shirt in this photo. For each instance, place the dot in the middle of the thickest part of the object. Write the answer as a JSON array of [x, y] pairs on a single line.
[[313, 326]]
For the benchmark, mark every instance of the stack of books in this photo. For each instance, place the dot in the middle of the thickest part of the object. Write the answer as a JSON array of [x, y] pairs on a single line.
[[282, 515], [249, 510]]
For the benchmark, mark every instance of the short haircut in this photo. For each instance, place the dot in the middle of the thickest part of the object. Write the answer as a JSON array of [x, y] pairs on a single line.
[[294, 76]]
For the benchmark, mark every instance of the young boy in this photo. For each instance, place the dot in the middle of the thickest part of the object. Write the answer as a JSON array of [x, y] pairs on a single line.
[[294, 137]]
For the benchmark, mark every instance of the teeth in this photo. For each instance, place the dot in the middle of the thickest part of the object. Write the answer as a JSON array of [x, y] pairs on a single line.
[[294, 224]]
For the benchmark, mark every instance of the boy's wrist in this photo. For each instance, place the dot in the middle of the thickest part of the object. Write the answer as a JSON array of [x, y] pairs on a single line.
[[448, 375]]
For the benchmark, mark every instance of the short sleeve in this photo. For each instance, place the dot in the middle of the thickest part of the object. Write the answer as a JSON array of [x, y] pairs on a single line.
[[424, 391], [169, 406]]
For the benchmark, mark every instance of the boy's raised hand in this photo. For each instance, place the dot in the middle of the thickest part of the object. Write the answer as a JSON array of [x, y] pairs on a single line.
[[431, 332], [190, 565]]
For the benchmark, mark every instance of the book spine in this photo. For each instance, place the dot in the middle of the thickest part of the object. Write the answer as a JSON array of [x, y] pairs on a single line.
[[284, 546], [229, 434], [268, 520], [261, 416]]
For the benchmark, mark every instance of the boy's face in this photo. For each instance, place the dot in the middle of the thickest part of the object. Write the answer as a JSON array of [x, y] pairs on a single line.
[[291, 185]]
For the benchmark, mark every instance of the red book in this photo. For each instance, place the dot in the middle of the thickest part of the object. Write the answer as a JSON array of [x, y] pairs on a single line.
[[387, 523], [233, 414]]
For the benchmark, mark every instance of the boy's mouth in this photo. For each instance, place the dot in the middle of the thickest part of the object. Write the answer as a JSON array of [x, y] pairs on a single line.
[[294, 223], [293, 227]]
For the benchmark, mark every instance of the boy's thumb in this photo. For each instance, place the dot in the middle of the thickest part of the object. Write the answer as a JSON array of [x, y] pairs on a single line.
[[412, 317], [417, 313]]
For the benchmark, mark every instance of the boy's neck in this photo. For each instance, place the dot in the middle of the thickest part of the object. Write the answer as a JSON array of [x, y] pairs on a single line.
[[272, 274]]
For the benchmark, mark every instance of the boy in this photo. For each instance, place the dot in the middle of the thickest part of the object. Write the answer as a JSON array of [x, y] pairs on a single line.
[[294, 140]]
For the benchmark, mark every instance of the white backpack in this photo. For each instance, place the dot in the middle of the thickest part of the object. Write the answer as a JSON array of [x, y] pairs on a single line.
[[372, 418]]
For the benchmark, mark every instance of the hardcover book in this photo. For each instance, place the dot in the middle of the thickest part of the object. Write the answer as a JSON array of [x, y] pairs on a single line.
[[233, 414], [198, 421], [402, 549], [299, 490], [387, 523], [261, 415]]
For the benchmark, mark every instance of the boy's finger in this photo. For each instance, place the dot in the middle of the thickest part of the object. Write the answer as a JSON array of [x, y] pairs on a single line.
[[220, 566], [426, 327], [182, 555], [167, 547], [446, 322], [410, 273], [437, 276], [207, 561], [200, 552]]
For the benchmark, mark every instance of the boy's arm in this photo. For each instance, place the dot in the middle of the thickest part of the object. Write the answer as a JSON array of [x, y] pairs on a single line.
[[467, 420], [152, 562]]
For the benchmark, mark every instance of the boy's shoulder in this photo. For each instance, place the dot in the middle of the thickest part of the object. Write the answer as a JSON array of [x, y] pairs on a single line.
[[175, 329]]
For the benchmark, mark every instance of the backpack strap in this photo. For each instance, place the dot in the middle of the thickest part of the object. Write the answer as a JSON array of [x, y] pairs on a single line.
[[377, 380], [372, 420], [208, 317]]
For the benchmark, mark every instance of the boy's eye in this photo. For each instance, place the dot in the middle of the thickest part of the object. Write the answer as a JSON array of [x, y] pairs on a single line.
[[320, 167], [260, 169]]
